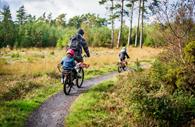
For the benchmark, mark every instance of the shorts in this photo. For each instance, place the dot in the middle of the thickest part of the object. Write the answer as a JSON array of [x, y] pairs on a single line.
[[122, 59]]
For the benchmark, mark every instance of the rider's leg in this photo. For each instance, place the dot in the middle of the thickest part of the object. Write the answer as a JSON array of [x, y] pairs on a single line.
[[74, 73], [62, 78], [124, 64], [78, 59]]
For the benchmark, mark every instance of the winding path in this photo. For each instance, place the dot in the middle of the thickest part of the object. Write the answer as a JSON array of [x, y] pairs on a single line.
[[53, 111]]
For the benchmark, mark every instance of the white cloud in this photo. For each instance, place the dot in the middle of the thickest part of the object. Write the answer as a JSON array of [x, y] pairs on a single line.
[[56, 7]]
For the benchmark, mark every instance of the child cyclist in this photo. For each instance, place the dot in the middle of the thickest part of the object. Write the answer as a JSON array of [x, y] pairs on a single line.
[[68, 63], [123, 55]]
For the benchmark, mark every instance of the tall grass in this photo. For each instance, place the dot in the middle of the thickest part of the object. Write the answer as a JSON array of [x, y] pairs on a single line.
[[142, 99], [30, 76]]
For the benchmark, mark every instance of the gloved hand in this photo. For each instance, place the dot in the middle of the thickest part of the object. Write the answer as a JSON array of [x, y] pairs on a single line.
[[88, 55]]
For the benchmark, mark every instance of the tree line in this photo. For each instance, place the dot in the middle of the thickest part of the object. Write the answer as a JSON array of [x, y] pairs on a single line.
[[43, 31], [121, 8]]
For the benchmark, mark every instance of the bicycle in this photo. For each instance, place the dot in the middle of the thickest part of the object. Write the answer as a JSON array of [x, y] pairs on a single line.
[[80, 73], [122, 66], [70, 76]]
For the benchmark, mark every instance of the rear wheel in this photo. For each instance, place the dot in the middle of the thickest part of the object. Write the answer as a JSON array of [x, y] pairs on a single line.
[[120, 68], [80, 77], [67, 85]]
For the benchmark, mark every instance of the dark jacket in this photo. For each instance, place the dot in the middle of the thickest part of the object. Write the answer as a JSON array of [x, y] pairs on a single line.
[[82, 44], [68, 63], [122, 55]]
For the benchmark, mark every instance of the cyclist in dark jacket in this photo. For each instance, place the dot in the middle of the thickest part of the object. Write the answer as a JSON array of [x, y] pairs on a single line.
[[123, 54], [78, 43]]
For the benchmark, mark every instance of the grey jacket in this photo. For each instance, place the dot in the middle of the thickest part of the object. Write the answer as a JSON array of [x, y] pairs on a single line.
[[82, 44], [123, 55]]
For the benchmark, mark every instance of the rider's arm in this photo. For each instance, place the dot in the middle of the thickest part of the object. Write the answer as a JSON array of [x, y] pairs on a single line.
[[62, 61], [126, 54], [74, 63], [85, 47]]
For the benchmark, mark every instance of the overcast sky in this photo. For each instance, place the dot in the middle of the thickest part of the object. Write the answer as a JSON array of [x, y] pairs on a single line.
[[57, 7]]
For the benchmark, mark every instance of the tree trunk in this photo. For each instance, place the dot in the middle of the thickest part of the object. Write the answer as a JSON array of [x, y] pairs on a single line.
[[142, 25], [112, 34], [137, 32], [121, 27], [130, 27]]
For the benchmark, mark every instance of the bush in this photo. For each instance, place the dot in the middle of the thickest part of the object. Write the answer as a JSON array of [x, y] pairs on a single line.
[[189, 52], [173, 110], [152, 106], [39, 34], [152, 36], [100, 36], [97, 36], [65, 39], [15, 55], [164, 96]]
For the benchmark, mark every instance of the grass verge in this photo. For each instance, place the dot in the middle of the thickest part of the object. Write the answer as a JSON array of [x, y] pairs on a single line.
[[140, 99], [16, 111], [90, 73], [84, 111]]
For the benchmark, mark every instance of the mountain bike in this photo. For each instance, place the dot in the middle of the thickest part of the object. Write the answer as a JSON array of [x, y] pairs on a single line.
[[122, 66], [71, 78]]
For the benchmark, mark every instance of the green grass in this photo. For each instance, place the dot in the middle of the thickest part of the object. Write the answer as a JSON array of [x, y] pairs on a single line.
[[29, 77], [141, 99], [89, 73], [16, 112], [84, 110]]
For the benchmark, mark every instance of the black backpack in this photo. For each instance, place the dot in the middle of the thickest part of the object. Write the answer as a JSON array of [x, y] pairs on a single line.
[[75, 43]]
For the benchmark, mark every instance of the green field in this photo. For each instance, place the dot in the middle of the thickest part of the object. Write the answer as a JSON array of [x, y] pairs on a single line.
[[30, 76]]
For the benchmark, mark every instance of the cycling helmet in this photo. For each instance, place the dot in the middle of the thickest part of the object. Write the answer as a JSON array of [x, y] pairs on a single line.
[[81, 31], [123, 49], [71, 52]]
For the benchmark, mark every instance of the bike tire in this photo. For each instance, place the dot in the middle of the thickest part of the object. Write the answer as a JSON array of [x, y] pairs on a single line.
[[119, 69], [79, 81], [67, 85]]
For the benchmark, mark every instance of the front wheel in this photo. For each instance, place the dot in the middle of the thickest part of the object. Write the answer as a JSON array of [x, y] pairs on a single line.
[[80, 77], [67, 85], [120, 69]]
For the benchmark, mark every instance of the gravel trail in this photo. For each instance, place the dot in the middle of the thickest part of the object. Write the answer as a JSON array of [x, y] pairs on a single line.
[[53, 111]]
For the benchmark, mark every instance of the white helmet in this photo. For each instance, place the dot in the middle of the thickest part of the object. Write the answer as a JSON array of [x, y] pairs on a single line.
[[123, 49]]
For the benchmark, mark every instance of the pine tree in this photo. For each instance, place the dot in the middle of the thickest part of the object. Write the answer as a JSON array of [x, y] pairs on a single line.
[[8, 28], [142, 24], [21, 16], [138, 23], [111, 17], [121, 24], [131, 6], [61, 20]]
